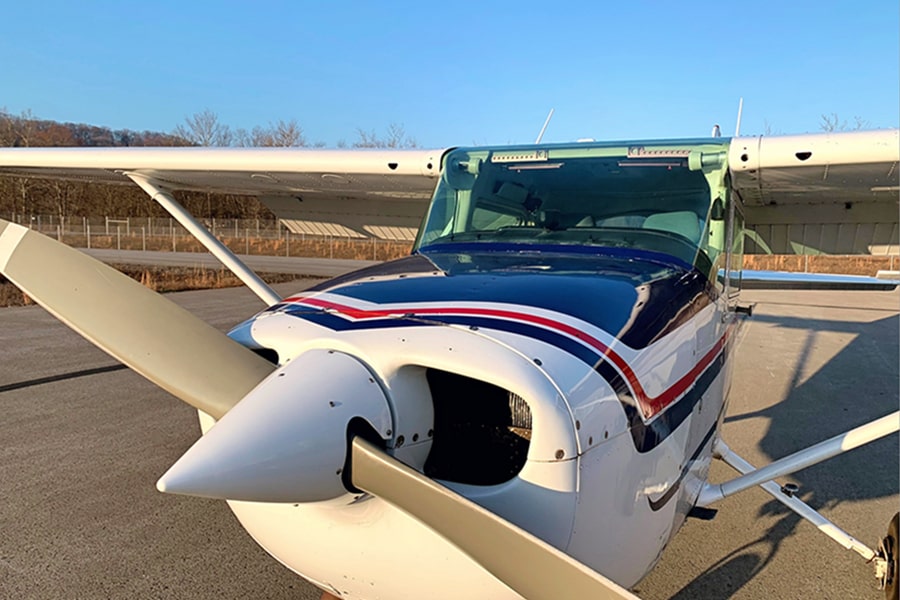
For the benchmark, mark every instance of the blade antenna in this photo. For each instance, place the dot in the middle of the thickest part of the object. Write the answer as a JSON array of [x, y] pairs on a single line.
[[544, 128]]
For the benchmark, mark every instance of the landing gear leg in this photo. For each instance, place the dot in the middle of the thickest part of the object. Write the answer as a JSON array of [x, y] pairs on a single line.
[[886, 567]]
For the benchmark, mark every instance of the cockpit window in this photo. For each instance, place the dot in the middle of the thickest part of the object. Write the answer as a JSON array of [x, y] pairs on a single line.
[[657, 197]]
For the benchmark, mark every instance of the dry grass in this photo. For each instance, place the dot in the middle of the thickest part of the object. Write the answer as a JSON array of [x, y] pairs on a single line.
[[173, 279], [160, 279], [386, 250], [823, 263]]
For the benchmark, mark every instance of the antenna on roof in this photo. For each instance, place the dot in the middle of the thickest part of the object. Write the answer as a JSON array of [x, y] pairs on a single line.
[[737, 127], [544, 128]]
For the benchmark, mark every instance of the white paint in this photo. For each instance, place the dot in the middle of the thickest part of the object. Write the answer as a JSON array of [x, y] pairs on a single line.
[[593, 503], [9, 241], [286, 441]]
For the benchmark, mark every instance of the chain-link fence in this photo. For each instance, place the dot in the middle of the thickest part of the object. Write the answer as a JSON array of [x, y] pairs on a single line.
[[243, 236], [269, 237]]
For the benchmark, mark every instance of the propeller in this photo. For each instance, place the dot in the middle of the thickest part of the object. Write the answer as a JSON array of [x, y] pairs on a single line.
[[157, 338], [205, 368], [527, 564]]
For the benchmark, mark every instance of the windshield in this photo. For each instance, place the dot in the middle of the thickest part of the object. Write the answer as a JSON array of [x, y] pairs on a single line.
[[665, 197]]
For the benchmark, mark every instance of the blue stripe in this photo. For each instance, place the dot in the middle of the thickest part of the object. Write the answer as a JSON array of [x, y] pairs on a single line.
[[559, 249], [646, 436]]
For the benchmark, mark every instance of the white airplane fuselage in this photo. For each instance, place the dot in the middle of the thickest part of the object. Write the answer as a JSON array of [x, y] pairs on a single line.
[[576, 394]]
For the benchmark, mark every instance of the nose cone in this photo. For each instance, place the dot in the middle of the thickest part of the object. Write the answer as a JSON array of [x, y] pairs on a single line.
[[286, 441]]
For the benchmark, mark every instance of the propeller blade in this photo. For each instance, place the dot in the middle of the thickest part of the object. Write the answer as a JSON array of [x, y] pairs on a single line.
[[160, 340], [527, 564]]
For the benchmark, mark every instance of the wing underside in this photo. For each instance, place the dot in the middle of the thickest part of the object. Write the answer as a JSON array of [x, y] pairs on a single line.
[[348, 193], [834, 193]]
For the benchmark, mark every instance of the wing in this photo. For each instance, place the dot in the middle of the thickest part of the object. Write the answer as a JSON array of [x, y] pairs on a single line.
[[357, 193], [779, 280], [834, 192]]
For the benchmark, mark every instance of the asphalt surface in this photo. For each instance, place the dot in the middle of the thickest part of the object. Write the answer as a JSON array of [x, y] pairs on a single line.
[[300, 266], [83, 442]]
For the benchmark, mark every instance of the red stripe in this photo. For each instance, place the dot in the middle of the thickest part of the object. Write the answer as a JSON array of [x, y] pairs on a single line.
[[649, 406]]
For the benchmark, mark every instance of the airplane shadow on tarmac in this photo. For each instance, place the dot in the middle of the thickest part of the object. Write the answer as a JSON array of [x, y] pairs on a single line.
[[857, 385]]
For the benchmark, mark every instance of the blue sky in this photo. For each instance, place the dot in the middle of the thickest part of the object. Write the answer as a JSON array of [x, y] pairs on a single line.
[[456, 73]]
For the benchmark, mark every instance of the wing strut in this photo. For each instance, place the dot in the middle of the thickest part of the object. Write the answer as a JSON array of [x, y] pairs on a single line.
[[830, 448], [801, 508], [216, 248]]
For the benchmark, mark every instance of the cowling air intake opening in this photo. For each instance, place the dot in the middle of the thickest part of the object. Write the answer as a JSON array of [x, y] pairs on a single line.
[[481, 431]]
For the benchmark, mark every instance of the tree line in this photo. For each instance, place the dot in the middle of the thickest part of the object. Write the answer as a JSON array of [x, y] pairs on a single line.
[[23, 196], [205, 129]]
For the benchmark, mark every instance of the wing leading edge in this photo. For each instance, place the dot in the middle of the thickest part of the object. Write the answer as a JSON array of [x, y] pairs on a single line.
[[356, 193], [827, 180]]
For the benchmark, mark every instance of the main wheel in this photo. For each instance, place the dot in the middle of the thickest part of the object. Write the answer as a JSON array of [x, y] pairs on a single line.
[[889, 546]]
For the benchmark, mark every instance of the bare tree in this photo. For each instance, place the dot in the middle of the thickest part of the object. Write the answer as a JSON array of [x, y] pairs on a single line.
[[396, 138], [288, 134], [860, 123], [258, 136], [7, 129], [367, 139], [204, 129], [17, 130], [833, 123]]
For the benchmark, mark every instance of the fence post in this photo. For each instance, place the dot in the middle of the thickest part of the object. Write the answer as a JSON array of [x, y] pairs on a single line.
[[374, 248], [118, 237], [331, 246], [87, 230], [59, 233], [144, 239], [247, 240], [173, 240]]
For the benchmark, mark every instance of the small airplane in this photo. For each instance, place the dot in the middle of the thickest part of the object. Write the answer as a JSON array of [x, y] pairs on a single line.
[[527, 405]]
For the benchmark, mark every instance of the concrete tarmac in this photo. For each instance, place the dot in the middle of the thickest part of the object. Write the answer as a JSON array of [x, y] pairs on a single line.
[[82, 443], [293, 265]]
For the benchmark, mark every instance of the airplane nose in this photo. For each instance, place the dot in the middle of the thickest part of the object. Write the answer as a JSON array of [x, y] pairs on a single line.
[[286, 441]]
